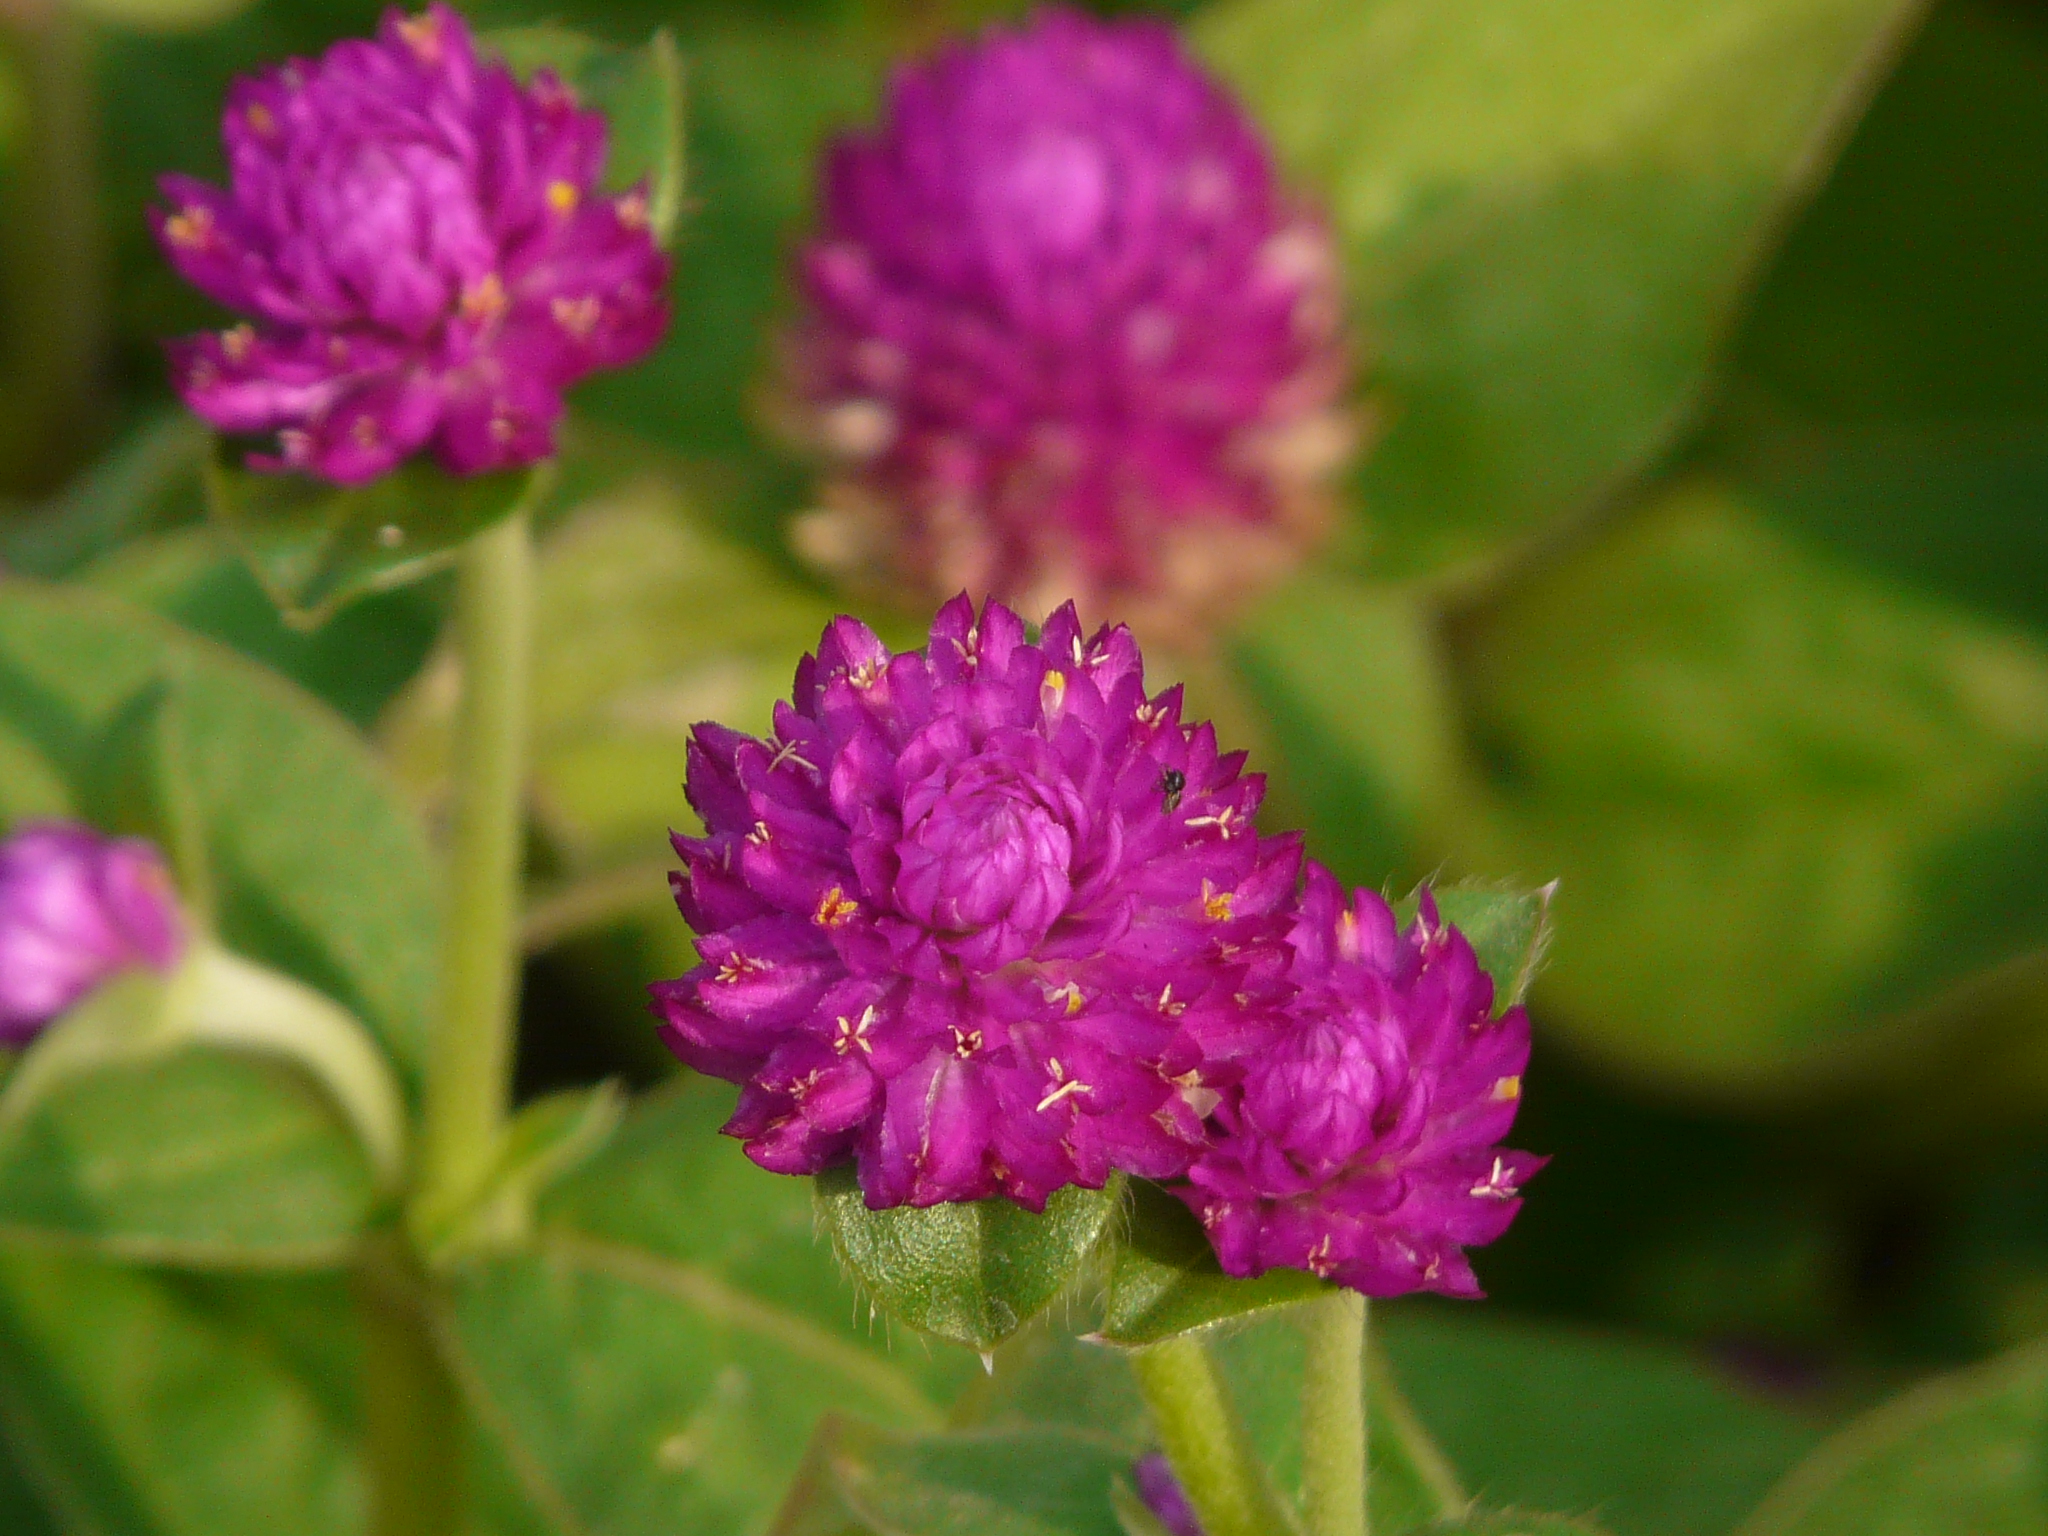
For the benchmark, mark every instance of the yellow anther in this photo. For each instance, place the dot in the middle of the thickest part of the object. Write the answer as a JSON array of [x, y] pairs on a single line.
[[237, 342], [578, 317], [965, 1041], [483, 300], [835, 909], [563, 197], [1507, 1089], [1216, 904], [191, 227]]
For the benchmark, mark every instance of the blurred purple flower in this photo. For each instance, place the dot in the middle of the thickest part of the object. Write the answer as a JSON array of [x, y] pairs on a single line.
[[75, 908], [1065, 335], [1165, 1497], [975, 916], [421, 248], [1363, 1141]]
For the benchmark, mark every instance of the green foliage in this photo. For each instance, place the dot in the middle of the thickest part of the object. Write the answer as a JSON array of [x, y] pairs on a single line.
[[1037, 1482], [148, 1404], [974, 1273], [329, 884], [1962, 1453], [1498, 174], [656, 1359]]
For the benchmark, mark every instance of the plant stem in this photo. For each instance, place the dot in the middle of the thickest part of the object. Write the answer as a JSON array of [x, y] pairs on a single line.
[[414, 1441], [1204, 1443], [1333, 1417], [469, 1067], [56, 292]]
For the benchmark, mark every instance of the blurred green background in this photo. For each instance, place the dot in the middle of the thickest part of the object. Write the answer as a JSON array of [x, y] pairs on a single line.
[[1700, 561]]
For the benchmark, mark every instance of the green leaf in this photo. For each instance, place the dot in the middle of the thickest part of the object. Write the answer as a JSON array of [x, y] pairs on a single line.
[[973, 1272], [317, 867], [315, 547], [1549, 214], [147, 1404], [152, 1122], [1035, 1482], [659, 1358], [354, 662], [1509, 929], [1546, 1417], [547, 1140], [1513, 1523], [1962, 1455], [1164, 1279], [1788, 801], [191, 1156], [640, 93], [158, 16]]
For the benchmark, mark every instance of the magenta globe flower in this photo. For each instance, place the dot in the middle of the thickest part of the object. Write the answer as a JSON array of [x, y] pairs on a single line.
[[1362, 1143], [422, 252], [1065, 335], [977, 916], [75, 909]]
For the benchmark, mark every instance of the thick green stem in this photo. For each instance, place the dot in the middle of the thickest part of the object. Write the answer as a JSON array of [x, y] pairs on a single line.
[[414, 1441], [1204, 1443], [1333, 1417], [469, 1069], [56, 308]]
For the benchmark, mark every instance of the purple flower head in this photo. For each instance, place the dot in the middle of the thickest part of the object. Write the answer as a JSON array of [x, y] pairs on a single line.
[[1165, 1497], [978, 917], [1064, 334], [1362, 1143], [423, 253], [75, 908]]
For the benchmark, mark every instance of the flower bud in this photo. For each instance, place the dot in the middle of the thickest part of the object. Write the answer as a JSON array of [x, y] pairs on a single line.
[[75, 908]]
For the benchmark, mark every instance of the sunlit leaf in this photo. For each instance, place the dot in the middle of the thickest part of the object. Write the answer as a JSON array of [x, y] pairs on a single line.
[[1964, 1455], [1549, 213]]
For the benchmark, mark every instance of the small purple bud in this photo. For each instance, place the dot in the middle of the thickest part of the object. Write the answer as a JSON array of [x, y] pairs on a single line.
[[423, 253], [1066, 336], [1165, 1497], [1362, 1142], [76, 907], [954, 925]]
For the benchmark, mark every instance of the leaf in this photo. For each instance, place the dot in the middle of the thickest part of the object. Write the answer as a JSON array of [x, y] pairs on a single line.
[[639, 91], [1546, 1417], [973, 1272], [318, 869], [1512, 1523], [1509, 929], [1788, 801], [152, 1121], [355, 662], [1037, 1482], [158, 16], [547, 1140], [1962, 1455], [1549, 215], [659, 1358], [1164, 1279], [143, 1404], [315, 547]]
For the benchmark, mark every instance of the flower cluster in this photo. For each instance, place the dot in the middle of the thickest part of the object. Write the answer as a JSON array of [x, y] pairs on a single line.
[[990, 919], [75, 908], [421, 247], [1064, 336]]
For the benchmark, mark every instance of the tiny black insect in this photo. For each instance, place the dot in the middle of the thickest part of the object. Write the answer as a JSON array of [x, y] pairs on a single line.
[[1171, 783]]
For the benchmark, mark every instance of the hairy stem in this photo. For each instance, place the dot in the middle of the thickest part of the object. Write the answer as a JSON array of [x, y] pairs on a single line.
[[1204, 1442], [56, 308], [414, 1440], [469, 1067], [1333, 1417]]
